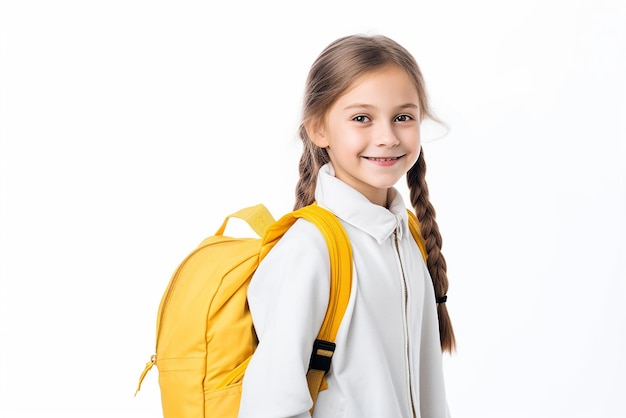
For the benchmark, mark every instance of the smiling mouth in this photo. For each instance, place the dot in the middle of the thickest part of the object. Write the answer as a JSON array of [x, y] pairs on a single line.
[[382, 159]]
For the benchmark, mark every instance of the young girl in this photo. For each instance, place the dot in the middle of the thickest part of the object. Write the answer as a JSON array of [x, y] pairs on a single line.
[[363, 104]]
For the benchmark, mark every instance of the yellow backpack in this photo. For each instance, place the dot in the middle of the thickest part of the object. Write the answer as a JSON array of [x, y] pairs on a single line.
[[205, 336]]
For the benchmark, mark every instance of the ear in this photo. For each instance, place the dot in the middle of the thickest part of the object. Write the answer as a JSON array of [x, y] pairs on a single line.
[[315, 131]]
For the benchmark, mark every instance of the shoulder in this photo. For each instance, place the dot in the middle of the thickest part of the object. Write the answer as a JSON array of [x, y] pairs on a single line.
[[294, 276], [301, 252], [302, 239]]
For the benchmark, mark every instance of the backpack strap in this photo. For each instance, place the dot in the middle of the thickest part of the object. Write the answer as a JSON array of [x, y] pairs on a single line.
[[414, 226], [340, 252]]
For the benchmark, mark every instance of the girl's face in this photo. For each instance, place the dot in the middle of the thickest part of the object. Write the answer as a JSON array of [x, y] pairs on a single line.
[[372, 132]]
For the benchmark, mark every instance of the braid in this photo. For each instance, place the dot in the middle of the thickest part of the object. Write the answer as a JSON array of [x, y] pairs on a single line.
[[425, 212], [311, 160]]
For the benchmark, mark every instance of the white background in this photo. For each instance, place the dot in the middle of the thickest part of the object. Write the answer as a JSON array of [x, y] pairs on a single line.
[[129, 129]]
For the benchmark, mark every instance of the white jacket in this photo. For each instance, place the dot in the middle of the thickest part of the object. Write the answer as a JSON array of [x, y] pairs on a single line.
[[388, 360]]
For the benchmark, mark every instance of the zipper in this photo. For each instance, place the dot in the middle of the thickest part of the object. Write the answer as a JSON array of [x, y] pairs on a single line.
[[174, 280], [405, 295], [164, 302], [161, 313], [149, 366]]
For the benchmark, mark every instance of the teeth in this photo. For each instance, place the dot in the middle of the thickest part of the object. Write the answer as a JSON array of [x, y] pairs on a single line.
[[383, 159]]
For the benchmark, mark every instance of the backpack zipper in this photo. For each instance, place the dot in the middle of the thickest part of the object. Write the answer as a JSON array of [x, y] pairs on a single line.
[[161, 313], [172, 285]]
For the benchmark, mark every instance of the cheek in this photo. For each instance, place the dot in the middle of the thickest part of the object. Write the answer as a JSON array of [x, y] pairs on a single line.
[[417, 138], [414, 142], [349, 139], [411, 138]]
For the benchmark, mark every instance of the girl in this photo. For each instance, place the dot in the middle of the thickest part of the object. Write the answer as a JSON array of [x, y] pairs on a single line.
[[363, 104]]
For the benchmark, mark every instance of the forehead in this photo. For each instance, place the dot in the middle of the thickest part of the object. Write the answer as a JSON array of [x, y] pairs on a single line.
[[388, 84]]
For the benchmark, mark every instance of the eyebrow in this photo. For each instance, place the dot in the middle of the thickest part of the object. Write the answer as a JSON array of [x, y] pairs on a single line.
[[367, 106]]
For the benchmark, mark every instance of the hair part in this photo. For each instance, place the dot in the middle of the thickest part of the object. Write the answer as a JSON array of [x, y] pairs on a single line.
[[334, 71]]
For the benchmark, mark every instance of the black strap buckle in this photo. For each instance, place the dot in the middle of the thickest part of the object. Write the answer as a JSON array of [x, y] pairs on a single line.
[[322, 355]]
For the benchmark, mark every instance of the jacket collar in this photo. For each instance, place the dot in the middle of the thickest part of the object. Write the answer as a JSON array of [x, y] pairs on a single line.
[[355, 209]]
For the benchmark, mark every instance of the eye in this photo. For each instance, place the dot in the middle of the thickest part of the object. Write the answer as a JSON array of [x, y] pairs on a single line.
[[403, 118], [361, 119]]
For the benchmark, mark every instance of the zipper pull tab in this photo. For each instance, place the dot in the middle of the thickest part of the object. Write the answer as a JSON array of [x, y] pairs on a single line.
[[149, 365]]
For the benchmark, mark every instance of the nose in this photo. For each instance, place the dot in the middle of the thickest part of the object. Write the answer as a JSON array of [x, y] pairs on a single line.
[[386, 136]]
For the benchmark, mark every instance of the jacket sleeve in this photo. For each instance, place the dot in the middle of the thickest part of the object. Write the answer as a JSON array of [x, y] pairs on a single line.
[[288, 298]]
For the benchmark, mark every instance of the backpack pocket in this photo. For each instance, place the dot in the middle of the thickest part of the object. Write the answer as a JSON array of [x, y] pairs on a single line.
[[223, 402]]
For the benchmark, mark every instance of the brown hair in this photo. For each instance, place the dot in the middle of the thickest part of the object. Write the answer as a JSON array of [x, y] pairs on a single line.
[[332, 73]]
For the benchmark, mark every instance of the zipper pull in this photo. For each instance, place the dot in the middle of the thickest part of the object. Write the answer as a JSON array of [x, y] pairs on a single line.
[[149, 365]]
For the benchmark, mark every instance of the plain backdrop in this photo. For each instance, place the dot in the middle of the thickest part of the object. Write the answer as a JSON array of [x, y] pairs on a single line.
[[130, 129]]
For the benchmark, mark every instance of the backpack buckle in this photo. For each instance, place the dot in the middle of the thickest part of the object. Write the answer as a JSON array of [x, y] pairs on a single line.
[[322, 355]]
